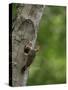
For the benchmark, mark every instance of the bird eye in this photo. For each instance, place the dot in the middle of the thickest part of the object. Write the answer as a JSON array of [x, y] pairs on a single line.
[[26, 50]]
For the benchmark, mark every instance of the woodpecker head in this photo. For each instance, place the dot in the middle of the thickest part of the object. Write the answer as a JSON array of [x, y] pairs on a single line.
[[29, 47]]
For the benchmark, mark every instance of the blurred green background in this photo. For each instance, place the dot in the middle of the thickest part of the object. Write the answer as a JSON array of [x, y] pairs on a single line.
[[49, 66]]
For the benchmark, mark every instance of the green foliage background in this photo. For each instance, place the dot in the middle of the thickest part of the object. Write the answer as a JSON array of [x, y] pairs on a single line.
[[49, 66]]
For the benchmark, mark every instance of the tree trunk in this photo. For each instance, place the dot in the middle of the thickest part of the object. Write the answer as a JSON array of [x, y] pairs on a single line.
[[24, 29]]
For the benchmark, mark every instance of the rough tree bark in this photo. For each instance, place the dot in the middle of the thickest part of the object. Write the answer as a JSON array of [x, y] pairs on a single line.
[[24, 28]]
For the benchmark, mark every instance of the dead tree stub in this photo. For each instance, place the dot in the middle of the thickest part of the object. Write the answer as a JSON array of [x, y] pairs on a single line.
[[25, 28]]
